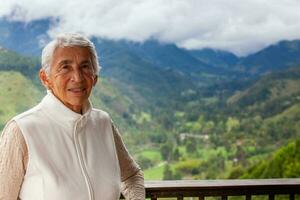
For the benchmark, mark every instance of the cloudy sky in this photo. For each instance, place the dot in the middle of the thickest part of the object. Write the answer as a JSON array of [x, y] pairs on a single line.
[[240, 26]]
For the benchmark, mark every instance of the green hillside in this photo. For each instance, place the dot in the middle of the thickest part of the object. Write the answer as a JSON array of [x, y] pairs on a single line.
[[17, 93], [270, 94], [121, 107], [284, 163], [11, 61], [275, 57], [146, 83]]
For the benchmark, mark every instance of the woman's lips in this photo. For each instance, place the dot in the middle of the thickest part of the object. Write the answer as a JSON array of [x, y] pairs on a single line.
[[77, 90]]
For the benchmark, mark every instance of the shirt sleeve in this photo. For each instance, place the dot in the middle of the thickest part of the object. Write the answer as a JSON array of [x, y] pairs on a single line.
[[13, 161], [132, 177]]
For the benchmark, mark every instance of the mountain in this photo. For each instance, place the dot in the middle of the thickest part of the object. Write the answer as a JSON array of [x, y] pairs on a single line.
[[12, 61], [164, 55], [202, 65], [273, 58], [271, 93], [28, 38], [140, 78], [135, 64], [164, 58], [214, 57], [145, 79], [158, 74], [24, 38]]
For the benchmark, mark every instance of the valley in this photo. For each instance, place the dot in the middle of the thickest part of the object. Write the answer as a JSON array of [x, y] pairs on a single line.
[[183, 114]]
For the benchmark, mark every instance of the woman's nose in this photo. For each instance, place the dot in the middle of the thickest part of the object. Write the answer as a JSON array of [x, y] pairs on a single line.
[[77, 75]]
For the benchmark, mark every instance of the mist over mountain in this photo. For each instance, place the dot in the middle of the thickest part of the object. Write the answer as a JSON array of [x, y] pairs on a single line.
[[29, 38]]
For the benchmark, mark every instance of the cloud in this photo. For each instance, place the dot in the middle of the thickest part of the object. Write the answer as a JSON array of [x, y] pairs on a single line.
[[238, 26]]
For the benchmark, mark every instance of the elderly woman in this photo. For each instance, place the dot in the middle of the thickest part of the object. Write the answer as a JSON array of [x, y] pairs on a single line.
[[63, 148]]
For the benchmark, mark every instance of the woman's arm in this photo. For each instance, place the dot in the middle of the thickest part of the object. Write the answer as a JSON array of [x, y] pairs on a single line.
[[13, 161], [131, 174], [133, 187]]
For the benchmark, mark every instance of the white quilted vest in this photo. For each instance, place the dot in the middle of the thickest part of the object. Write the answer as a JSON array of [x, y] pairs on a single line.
[[71, 156]]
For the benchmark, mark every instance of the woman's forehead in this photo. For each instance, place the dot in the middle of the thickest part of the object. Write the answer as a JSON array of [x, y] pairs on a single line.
[[71, 54]]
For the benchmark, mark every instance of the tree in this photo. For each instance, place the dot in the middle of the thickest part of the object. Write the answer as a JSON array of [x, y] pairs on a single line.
[[191, 146], [168, 173], [144, 162], [166, 151], [176, 154]]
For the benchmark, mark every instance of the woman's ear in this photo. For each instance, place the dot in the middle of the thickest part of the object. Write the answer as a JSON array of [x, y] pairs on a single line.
[[44, 79], [95, 80]]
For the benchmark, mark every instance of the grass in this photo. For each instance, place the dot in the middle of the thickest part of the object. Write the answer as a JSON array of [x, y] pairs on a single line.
[[153, 155], [155, 173]]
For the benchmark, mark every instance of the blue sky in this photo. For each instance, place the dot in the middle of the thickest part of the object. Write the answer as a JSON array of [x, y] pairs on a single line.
[[239, 26]]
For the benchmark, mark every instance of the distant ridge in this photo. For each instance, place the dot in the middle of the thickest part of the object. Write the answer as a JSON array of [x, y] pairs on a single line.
[[276, 57], [215, 57], [28, 38]]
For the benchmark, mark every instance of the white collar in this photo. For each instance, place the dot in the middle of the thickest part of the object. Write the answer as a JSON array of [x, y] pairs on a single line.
[[60, 112]]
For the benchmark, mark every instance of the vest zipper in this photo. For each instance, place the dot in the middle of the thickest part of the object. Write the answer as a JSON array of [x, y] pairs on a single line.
[[82, 164]]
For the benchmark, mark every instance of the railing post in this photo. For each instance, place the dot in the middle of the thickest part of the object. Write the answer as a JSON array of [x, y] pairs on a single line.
[[179, 197], [271, 196], [153, 197], [292, 196], [248, 197], [201, 197], [224, 197]]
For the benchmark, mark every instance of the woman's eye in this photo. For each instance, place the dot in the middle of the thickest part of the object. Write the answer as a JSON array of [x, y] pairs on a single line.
[[86, 68], [64, 69]]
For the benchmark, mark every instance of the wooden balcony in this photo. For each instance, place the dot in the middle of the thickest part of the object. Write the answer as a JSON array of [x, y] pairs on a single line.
[[223, 188]]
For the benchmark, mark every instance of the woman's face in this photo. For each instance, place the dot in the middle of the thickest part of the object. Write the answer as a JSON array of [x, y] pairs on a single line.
[[71, 76]]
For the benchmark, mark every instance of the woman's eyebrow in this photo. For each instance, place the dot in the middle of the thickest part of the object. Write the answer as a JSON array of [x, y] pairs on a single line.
[[63, 62], [86, 62]]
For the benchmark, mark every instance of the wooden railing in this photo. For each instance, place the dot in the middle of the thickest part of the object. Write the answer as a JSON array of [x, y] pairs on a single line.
[[222, 188]]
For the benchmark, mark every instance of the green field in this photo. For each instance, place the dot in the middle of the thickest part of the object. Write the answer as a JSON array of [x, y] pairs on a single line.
[[155, 173], [152, 155]]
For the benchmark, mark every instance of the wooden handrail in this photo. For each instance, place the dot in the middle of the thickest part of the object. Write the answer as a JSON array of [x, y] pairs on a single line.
[[223, 188]]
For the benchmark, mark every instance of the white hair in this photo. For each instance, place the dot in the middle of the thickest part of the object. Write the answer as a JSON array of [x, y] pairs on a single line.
[[68, 40]]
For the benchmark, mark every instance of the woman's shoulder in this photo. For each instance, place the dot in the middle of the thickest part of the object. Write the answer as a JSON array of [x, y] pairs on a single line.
[[27, 113], [100, 113]]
